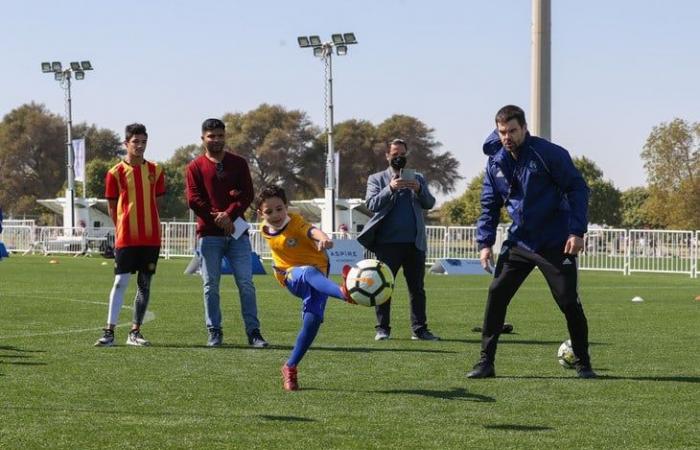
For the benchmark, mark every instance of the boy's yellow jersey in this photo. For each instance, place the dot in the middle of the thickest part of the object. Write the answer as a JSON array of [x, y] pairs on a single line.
[[293, 246]]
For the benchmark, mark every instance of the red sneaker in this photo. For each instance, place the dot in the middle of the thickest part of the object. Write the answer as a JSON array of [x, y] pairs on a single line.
[[343, 287], [289, 378]]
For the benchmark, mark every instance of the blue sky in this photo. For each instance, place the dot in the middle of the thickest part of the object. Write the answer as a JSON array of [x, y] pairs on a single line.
[[618, 67]]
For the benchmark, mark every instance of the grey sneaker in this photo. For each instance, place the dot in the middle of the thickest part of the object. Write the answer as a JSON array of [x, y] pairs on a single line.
[[136, 338], [424, 334], [216, 337], [107, 339], [256, 340], [382, 335]]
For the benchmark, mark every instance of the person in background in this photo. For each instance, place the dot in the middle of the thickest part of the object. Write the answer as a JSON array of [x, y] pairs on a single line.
[[547, 199], [219, 189], [131, 189], [396, 234]]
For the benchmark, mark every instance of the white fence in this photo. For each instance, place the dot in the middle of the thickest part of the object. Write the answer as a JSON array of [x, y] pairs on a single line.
[[619, 250]]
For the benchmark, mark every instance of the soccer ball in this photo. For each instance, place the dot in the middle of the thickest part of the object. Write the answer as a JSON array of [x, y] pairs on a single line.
[[565, 355], [370, 282]]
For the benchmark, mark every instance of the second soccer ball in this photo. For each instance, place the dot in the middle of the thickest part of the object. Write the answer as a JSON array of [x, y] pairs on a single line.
[[565, 355]]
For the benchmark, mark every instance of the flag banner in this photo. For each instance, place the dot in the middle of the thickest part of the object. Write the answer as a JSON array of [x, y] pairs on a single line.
[[337, 173], [79, 159]]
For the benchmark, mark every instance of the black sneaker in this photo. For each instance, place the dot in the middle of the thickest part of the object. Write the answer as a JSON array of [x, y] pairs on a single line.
[[482, 369], [507, 329], [256, 340], [424, 334], [216, 337], [586, 372]]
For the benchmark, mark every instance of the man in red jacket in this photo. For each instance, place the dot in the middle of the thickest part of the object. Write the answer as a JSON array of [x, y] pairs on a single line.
[[219, 190]]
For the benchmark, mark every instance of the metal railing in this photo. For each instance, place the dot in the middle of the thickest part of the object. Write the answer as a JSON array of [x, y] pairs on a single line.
[[605, 249], [619, 250]]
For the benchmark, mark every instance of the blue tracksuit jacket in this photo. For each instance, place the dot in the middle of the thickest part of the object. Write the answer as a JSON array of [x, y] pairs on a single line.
[[543, 192]]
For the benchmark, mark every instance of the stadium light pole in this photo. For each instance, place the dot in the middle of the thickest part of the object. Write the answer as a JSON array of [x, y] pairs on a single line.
[[541, 82], [63, 76], [324, 50]]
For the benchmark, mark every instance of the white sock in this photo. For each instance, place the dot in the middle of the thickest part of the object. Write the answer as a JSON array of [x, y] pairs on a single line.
[[116, 297]]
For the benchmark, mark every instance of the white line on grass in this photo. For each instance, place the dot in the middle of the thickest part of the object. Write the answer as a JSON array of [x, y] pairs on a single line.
[[147, 318]]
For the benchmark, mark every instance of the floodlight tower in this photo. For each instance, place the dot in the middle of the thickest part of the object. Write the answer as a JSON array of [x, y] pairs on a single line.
[[63, 76], [324, 50], [541, 83]]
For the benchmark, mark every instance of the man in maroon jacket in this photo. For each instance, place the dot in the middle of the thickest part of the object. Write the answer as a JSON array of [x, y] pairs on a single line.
[[219, 190]]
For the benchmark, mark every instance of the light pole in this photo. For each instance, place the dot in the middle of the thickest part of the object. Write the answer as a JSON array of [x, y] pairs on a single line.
[[324, 50], [63, 76], [541, 83]]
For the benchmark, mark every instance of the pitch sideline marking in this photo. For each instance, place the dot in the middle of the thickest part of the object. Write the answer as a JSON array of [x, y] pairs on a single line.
[[147, 318]]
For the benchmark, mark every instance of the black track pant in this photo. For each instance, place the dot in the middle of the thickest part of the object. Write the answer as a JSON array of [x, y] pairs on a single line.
[[412, 260], [561, 272]]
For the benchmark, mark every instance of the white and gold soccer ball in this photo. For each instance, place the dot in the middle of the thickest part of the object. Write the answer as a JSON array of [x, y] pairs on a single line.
[[370, 282], [565, 355]]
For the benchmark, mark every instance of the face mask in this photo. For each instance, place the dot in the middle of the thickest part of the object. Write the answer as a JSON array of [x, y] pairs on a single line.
[[398, 162]]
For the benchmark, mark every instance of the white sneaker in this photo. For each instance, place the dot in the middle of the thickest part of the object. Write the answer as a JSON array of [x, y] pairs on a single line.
[[135, 338], [382, 335], [107, 339]]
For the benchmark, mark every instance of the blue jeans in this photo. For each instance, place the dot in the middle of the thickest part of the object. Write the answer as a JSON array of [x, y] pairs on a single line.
[[238, 252]]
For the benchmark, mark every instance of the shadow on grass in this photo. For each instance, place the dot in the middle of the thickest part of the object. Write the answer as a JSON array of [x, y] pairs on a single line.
[[25, 363], [11, 348], [116, 412], [504, 340], [680, 379], [516, 427], [18, 354], [313, 347], [286, 418], [452, 394], [676, 379]]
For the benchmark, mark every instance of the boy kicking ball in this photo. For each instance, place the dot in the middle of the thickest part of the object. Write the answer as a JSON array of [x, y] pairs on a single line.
[[301, 265]]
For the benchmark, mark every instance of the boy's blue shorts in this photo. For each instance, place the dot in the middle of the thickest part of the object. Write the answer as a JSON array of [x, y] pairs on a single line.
[[313, 301]]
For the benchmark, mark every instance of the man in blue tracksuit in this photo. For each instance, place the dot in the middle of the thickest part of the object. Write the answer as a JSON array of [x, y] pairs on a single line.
[[547, 199]]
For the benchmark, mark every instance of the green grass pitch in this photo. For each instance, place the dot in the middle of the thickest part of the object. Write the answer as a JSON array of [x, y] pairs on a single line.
[[58, 391]]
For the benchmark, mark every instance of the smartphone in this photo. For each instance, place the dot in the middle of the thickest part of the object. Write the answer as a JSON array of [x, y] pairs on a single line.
[[407, 174]]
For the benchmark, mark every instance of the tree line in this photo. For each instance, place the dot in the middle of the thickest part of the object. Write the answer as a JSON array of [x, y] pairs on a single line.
[[283, 146], [671, 200]]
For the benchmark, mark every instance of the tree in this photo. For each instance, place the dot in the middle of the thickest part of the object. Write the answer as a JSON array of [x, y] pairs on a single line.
[[672, 160], [174, 203], [100, 143], [440, 170], [32, 158], [95, 172], [466, 209], [184, 155], [359, 154], [604, 204], [634, 210], [276, 142]]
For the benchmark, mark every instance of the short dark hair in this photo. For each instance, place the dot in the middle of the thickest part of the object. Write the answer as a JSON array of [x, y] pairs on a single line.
[[213, 124], [134, 129], [396, 142], [510, 112], [270, 191]]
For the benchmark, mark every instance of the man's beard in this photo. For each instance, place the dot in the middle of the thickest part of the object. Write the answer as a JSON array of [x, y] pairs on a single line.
[[215, 148]]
